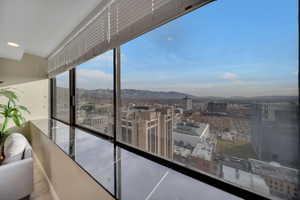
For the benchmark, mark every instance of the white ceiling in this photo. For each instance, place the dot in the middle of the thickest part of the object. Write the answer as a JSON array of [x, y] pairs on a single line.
[[38, 26]]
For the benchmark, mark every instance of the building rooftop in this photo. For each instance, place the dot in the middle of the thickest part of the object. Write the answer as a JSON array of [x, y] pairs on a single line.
[[274, 170], [191, 128], [204, 149], [245, 179], [183, 152]]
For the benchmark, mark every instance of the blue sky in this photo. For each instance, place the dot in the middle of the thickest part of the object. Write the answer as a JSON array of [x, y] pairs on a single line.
[[226, 48]]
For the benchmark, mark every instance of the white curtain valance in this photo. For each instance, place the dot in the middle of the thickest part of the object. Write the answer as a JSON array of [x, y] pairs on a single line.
[[111, 24]]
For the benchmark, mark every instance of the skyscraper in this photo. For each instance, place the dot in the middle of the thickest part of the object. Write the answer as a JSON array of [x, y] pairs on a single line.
[[214, 107], [188, 103], [149, 129], [274, 133]]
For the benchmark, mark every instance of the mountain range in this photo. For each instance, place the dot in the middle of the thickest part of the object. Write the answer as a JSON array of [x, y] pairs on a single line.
[[148, 94]]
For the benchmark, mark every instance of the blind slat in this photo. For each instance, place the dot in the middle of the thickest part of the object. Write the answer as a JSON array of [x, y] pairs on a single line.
[[113, 24]]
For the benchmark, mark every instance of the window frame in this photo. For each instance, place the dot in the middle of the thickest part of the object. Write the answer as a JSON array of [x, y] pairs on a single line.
[[53, 100], [117, 132]]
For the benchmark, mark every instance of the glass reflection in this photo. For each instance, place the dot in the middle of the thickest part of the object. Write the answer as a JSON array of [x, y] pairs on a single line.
[[96, 156], [60, 135], [137, 177], [144, 179]]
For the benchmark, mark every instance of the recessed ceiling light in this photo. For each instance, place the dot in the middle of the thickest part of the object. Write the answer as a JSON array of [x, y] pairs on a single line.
[[13, 44]]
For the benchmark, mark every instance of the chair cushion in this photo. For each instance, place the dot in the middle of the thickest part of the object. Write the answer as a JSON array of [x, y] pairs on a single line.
[[14, 147]]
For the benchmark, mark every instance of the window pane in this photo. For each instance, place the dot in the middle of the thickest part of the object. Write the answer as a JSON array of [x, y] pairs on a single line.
[[144, 179], [94, 94], [96, 156], [61, 97], [60, 135], [217, 91]]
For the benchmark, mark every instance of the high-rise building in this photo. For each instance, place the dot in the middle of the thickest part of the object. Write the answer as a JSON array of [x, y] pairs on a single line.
[[214, 107], [188, 103], [274, 133], [149, 129]]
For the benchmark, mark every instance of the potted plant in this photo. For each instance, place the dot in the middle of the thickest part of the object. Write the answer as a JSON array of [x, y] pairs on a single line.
[[11, 111]]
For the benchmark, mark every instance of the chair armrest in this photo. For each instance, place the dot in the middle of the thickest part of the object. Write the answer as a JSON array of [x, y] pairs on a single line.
[[16, 179]]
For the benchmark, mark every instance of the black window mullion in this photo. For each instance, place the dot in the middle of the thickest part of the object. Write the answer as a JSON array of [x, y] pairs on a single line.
[[72, 87], [117, 106], [52, 96]]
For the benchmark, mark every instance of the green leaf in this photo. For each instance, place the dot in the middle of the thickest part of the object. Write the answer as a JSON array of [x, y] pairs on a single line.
[[16, 120], [3, 107], [11, 110], [9, 94], [24, 109], [22, 119]]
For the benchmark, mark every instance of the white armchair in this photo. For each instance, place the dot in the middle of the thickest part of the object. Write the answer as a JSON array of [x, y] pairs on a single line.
[[16, 172]]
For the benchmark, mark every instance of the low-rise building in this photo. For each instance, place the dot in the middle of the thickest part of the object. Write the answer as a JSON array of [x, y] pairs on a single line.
[[183, 152], [245, 179], [282, 181], [202, 156], [190, 133]]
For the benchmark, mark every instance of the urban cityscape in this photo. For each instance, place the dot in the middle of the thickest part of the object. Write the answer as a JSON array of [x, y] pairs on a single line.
[[239, 139], [224, 107]]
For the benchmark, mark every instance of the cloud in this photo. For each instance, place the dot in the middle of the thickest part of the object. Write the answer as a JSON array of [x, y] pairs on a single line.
[[229, 76], [91, 74], [169, 38], [93, 79]]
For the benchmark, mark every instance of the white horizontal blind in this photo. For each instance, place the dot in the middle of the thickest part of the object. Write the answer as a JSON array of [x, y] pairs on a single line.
[[111, 24]]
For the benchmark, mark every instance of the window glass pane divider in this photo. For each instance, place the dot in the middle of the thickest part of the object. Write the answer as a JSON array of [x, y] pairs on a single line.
[[72, 79], [51, 95], [117, 107]]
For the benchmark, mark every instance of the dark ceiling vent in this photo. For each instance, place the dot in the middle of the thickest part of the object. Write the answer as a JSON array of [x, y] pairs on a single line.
[[1, 82]]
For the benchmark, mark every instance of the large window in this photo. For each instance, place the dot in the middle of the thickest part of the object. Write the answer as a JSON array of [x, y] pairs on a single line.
[[94, 94], [217, 91], [61, 97], [211, 94]]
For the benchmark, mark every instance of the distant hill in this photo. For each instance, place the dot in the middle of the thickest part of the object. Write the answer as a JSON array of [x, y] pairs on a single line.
[[148, 94], [133, 94], [266, 98]]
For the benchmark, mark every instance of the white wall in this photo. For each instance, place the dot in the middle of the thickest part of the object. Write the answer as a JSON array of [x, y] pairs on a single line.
[[33, 95]]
